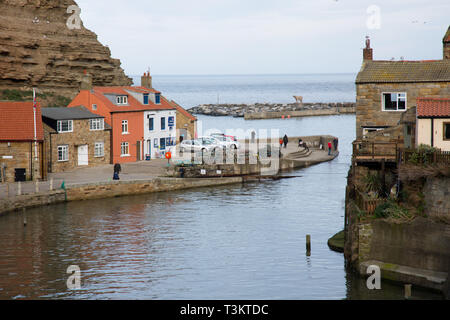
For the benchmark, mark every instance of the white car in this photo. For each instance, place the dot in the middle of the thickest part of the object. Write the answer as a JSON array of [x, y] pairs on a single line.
[[227, 141], [203, 144]]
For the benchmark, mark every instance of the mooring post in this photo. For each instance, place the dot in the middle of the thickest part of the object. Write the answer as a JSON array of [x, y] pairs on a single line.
[[37, 186], [51, 184], [408, 291], [19, 188], [24, 217], [7, 189], [308, 245]]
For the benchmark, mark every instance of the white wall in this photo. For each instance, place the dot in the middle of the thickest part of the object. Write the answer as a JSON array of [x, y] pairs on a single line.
[[424, 133], [157, 133]]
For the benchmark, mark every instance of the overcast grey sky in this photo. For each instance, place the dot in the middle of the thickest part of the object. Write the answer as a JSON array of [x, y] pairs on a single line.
[[262, 36]]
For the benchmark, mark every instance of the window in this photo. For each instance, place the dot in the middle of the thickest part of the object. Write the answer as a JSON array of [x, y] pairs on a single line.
[[122, 99], [157, 98], [124, 149], [65, 126], [162, 143], [151, 124], [163, 123], [145, 98], [94, 107], [63, 153], [394, 101], [99, 149], [124, 126], [446, 130], [97, 124]]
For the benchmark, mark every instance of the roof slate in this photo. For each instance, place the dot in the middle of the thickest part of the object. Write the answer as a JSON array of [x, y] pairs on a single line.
[[74, 113], [404, 71], [433, 107], [17, 122]]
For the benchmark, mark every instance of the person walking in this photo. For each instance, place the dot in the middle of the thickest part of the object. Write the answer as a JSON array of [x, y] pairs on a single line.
[[117, 170], [281, 142], [329, 148], [285, 140]]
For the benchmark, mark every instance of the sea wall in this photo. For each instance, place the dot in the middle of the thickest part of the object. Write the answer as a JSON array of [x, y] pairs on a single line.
[[274, 110]]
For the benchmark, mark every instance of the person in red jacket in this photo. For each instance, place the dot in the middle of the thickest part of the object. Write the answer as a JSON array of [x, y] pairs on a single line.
[[329, 148]]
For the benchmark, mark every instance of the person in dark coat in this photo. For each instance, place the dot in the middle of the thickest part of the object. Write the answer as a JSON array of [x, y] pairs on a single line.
[[117, 170], [285, 140]]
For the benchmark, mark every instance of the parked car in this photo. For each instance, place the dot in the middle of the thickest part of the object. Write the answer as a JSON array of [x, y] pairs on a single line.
[[204, 145], [229, 142]]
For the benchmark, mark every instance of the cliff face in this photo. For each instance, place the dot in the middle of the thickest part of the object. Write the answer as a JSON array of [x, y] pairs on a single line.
[[38, 49]]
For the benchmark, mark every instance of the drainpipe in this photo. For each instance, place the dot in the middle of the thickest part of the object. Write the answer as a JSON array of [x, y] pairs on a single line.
[[432, 132]]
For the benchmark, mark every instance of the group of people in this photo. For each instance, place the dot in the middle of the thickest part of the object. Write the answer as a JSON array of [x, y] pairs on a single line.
[[332, 145]]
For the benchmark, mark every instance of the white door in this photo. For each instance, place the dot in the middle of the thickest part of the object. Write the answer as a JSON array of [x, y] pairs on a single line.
[[83, 155]]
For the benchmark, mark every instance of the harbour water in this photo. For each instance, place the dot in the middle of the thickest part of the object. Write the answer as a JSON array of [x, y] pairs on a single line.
[[232, 242]]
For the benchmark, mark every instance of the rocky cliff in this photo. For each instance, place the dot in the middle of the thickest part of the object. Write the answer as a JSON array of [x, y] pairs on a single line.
[[38, 49]]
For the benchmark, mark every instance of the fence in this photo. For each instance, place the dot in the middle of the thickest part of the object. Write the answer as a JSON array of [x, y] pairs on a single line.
[[371, 150], [424, 157], [366, 204]]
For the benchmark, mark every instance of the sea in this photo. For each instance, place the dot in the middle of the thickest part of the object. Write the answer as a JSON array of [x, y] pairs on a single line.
[[193, 90]]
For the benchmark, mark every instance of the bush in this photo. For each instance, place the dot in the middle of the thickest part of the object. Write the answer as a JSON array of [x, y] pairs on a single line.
[[381, 210], [391, 210]]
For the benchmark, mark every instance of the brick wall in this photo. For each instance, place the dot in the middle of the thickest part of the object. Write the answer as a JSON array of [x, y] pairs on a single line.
[[368, 101], [81, 135], [185, 123], [21, 153]]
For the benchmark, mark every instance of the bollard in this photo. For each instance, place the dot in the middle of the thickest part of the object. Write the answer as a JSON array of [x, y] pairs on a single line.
[[24, 217], [37, 186], [19, 188], [308, 245], [51, 184], [408, 291]]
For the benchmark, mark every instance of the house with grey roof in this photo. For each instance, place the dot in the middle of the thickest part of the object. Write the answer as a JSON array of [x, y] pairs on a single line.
[[387, 89], [75, 137]]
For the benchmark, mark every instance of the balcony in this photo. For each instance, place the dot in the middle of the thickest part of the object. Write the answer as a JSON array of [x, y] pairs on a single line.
[[372, 151]]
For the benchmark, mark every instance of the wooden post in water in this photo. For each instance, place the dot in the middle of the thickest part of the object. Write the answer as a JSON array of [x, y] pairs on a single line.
[[408, 291], [24, 217], [51, 184], [308, 245]]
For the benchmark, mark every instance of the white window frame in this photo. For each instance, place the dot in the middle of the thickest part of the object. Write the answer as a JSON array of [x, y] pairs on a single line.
[[97, 124], [122, 100], [94, 107], [65, 152], [125, 123], [69, 126], [397, 110], [99, 149], [122, 146]]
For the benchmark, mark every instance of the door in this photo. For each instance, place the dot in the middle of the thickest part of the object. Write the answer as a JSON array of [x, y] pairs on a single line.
[[149, 149], [83, 155], [138, 150]]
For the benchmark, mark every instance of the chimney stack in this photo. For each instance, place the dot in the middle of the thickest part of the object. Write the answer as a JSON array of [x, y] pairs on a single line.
[[446, 44], [86, 81], [146, 80], [367, 51]]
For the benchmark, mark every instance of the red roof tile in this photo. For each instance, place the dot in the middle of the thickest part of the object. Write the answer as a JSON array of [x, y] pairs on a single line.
[[433, 107], [133, 104], [182, 110], [17, 122]]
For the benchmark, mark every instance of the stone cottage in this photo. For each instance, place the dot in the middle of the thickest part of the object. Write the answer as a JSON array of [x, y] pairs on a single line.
[[386, 89], [21, 156], [74, 138]]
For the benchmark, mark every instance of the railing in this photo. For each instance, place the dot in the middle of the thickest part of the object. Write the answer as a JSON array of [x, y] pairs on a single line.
[[366, 204], [423, 157], [371, 150]]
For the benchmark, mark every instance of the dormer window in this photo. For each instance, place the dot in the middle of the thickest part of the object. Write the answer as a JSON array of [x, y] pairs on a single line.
[[122, 100], [157, 98], [145, 98]]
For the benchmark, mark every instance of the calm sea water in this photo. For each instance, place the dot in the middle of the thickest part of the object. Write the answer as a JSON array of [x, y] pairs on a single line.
[[190, 91], [231, 242]]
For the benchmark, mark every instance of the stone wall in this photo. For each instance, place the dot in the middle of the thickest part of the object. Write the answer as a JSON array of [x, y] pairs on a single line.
[[437, 197], [368, 101], [185, 126], [22, 154], [81, 135], [303, 113], [31, 200]]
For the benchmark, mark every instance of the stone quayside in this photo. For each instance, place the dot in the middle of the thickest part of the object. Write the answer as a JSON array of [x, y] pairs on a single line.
[[239, 110]]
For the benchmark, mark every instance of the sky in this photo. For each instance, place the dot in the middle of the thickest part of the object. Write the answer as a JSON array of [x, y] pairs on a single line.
[[180, 37]]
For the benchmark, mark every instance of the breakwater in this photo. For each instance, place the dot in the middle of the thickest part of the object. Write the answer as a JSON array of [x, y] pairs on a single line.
[[274, 110]]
